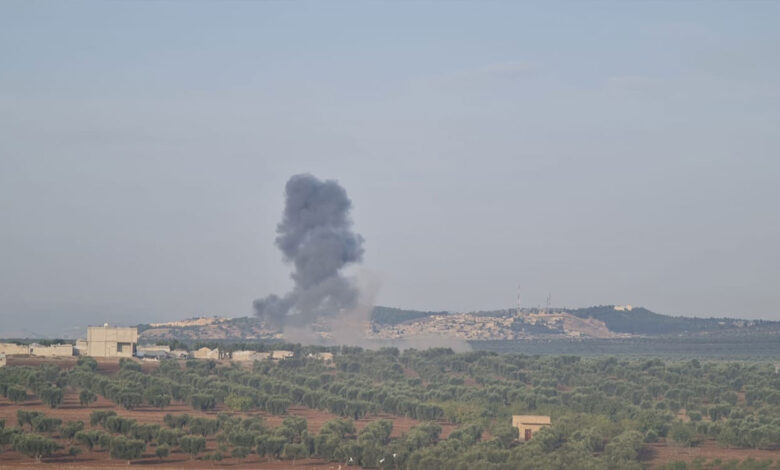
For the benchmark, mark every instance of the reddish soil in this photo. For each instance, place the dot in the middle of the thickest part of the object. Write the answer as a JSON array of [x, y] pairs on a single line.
[[663, 453], [12, 460], [71, 410], [105, 366]]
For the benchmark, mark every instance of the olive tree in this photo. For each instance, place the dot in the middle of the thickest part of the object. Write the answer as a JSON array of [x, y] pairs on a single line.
[[33, 445], [123, 448]]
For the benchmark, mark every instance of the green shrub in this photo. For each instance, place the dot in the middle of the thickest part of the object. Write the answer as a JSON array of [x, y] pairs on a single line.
[[52, 396], [86, 397], [69, 429], [33, 445], [100, 417], [162, 451], [192, 445], [16, 394], [123, 448], [238, 403]]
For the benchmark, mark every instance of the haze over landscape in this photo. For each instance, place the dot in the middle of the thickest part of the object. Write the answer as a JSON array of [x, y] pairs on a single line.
[[389, 235], [605, 153]]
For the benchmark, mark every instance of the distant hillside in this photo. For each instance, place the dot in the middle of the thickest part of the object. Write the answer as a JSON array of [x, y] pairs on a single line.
[[394, 316], [604, 321], [640, 321]]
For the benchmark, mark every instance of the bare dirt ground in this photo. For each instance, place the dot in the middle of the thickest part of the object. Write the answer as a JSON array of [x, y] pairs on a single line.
[[663, 453], [71, 410]]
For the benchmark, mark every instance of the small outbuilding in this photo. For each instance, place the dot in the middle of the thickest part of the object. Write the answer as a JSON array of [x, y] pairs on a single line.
[[2, 360], [528, 425], [206, 353]]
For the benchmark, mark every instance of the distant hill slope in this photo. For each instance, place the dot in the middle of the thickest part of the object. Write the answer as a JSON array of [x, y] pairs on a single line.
[[641, 321], [533, 323], [394, 316]]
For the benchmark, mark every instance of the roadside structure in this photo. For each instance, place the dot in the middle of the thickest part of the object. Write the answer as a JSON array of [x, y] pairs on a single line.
[[528, 425], [2, 360], [107, 341]]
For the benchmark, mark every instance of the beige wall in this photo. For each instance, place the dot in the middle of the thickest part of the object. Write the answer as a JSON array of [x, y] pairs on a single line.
[[281, 354], [2, 360], [206, 353], [153, 348], [81, 347], [528, 425], [249, 356], [106, 341], [10, 349], [57, 350]]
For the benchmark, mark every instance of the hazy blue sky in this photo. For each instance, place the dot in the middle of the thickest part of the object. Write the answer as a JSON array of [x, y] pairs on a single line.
[[602, 152]]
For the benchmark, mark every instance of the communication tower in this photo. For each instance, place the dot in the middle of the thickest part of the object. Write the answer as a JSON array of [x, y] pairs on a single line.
[[519, 308]]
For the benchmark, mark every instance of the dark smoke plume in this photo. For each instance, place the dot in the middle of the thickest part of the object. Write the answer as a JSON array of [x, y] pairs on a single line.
[[316, 236]]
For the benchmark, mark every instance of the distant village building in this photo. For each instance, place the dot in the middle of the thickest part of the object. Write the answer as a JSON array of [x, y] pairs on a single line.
[[11, 349], [2, 360], [623, 308], [279, 355], [323, 356], [55, 350], [528, 425], [206, 353], [106, 341], [249, 356], [151, 355], [180, 354]]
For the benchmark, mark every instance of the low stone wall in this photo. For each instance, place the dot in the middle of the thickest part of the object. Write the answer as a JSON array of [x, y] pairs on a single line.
[[57, 350], [11, 349]]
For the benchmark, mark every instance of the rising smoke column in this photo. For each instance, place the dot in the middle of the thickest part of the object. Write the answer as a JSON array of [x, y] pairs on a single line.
[[316, 236]]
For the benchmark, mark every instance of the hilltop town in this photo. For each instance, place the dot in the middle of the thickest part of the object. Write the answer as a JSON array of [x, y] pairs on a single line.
[[604, 322]]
